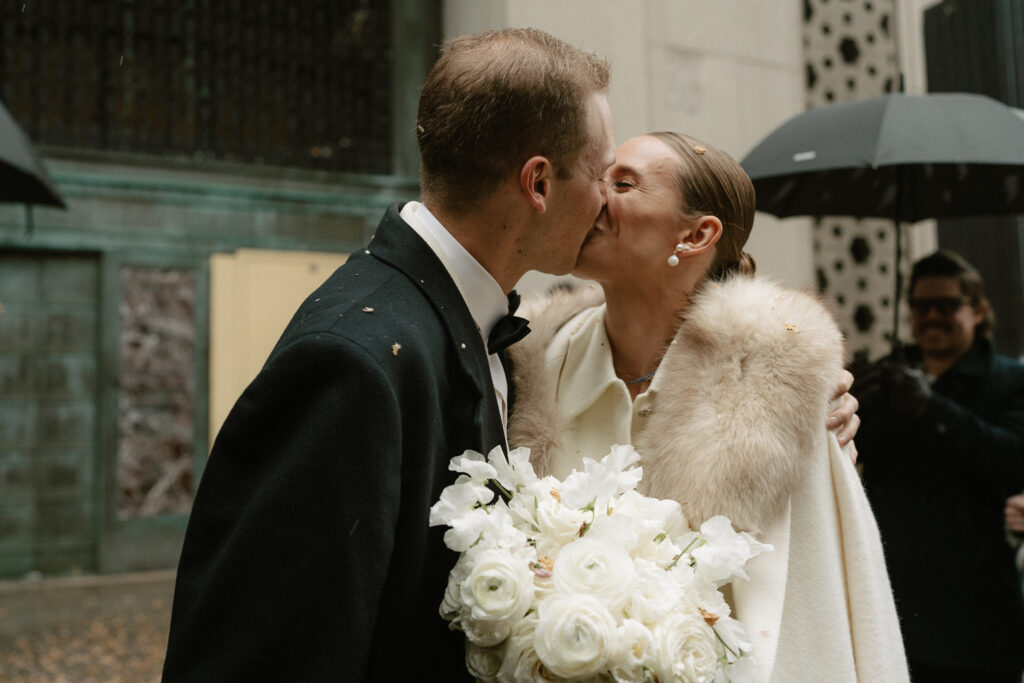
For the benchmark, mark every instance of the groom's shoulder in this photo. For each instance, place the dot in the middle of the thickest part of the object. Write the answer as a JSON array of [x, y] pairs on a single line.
[[369, 304]]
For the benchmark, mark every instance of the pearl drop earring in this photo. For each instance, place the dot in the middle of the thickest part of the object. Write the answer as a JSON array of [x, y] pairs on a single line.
[[673, 260]]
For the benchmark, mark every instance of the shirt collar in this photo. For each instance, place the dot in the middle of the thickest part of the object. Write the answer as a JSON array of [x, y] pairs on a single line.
[[484, 297]]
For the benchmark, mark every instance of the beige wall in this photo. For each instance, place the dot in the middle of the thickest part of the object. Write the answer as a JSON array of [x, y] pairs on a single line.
[[253, 295], [727, 72]]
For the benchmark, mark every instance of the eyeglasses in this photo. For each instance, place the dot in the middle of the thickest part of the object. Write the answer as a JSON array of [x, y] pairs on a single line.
[[943, 305]]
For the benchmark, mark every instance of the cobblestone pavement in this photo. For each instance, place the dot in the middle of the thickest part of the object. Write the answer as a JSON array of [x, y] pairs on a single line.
[[85, 629]]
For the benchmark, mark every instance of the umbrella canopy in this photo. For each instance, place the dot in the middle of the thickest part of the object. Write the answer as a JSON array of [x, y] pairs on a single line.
[[902, 157], [22, 176]]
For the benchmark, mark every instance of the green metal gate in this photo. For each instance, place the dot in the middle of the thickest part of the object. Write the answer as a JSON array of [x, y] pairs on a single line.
[[48, 412]]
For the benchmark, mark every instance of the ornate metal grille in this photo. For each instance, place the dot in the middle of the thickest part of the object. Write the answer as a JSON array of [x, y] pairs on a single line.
[[281, 82]]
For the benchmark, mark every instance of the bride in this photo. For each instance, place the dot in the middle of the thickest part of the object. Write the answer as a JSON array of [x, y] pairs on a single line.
[[722, 381]]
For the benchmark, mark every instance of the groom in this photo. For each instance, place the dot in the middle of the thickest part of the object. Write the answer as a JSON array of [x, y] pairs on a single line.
[[308, 554]]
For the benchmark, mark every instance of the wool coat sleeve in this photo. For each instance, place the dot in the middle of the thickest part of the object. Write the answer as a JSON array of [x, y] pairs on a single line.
[[293, 528], [985, 441]]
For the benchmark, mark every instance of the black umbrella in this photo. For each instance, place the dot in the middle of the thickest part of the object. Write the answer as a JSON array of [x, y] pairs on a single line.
[[22, 176], [903, 157]]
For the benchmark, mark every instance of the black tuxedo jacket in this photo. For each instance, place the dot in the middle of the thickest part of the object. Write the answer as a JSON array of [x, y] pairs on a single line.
[[308, 555]]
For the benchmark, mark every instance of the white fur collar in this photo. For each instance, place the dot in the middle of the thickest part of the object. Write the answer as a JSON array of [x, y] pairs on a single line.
[[751, 370]]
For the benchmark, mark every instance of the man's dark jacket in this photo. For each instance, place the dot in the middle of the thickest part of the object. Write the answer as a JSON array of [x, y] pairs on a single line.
[[308, 555], [938, 486]]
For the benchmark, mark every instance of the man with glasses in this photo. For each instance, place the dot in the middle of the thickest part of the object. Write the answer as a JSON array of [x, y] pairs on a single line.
[[942, 446]]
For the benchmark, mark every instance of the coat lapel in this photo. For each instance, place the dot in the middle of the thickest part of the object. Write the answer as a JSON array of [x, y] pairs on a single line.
[[398, 245]]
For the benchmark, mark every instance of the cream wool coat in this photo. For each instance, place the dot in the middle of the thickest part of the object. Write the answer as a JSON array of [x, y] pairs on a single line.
[[733, 424]]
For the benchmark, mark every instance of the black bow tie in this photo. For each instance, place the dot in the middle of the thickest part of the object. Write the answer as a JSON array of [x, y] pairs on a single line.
[[508, 330]]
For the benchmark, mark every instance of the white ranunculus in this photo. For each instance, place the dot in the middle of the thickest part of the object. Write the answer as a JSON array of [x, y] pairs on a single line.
[[575, 635], [521, 662], [497, 591], [483, 663], [555, 521], [594, 567], [687, 649], [722, 557], [657, 593], [635, 655], [452, 603]]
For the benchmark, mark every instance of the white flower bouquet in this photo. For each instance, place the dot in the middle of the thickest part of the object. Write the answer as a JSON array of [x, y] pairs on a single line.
[[586, 579]]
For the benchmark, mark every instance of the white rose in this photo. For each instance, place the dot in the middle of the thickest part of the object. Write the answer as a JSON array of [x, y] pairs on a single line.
[[498, 590], [575, 635], [594, 567], [483, 663], [687, 649]]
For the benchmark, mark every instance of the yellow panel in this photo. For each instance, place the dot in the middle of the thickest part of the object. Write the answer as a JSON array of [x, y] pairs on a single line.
[[253, 295]]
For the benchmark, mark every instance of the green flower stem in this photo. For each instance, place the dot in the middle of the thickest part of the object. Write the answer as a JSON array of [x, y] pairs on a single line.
[[504, 491], [728, 649]]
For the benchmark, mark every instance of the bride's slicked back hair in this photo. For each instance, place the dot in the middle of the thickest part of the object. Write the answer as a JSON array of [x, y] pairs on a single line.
[[713, 183], [495, 99]]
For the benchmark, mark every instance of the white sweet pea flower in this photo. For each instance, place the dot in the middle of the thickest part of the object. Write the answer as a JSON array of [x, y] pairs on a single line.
[[592, 567], [743, 670], [474, 465], [619, 459], [522, 469], [574, 636], [458, 499], [497, 591], [512, 472], [687, 649], [615, 529], [600, 481], [725, 551], [635, 656], [655, 521], [734, 636], [466, 529], [491, 527]]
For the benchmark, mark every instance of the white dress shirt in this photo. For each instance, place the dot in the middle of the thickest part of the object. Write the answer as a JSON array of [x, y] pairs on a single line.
[[483, 295]]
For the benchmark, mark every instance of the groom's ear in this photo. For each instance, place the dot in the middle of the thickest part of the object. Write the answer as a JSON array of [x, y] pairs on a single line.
[[535, 182]]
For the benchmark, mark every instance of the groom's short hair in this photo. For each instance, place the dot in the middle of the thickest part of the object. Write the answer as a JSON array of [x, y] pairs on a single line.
[[497, 98]]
